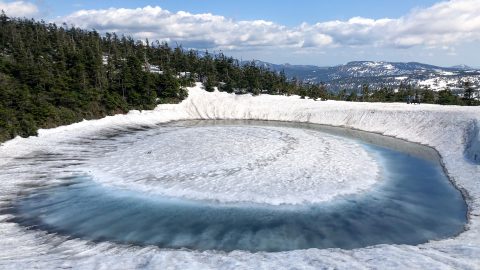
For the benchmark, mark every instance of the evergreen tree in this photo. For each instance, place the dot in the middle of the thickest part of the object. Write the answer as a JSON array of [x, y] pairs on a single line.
[[342, 95], [468, 93], [353, 96], [365, 92], [446, 97], [428, 95]]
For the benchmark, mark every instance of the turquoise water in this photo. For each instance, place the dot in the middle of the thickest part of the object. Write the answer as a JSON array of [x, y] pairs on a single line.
[[412, 204]]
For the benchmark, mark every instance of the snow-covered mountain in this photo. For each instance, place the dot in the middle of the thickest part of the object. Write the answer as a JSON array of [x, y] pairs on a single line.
[[379, 74]]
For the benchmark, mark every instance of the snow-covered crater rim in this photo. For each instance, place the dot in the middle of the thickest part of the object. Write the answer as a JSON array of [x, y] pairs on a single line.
[[441, 127]]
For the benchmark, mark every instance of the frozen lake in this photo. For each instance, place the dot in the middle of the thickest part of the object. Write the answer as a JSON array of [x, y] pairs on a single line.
[[242, 185]]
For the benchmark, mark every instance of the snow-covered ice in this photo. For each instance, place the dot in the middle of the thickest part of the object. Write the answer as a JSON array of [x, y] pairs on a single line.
[[453, 131], [274, 165]]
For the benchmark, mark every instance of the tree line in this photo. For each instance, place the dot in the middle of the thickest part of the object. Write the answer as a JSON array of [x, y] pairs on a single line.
[[409, 93]]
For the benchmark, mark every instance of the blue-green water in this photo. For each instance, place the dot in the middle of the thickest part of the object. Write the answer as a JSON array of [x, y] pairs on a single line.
[[412, 204]]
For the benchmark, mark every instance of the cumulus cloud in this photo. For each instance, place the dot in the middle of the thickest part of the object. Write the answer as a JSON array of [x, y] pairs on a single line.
[[443, 24], [440, 25], [19, 8], [192, 30]]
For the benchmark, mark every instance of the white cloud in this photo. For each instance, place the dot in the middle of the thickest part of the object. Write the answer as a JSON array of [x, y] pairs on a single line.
[[192, 30], [19, 8], [443, 24]]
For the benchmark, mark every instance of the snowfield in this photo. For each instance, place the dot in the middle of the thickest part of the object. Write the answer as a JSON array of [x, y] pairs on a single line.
[[453, 131]]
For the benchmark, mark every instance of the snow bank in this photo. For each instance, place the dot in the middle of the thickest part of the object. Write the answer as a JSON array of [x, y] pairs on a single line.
[[452, 131], [472, 149]]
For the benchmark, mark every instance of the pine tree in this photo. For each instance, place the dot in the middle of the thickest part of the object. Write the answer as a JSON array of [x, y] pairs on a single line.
[[468, 93], [428, 95], [365, 92]]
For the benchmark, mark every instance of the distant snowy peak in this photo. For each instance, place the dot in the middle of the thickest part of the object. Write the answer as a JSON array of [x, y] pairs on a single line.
[[461, 67], [362, 69], [379, 74], [368, 68], [375, 69]]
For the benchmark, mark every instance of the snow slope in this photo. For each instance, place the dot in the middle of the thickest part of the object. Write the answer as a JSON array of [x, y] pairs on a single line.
[[452, 131]]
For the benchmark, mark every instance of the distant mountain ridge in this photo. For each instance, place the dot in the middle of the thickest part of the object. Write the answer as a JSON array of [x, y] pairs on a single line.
[[378, 74], [461, 67]]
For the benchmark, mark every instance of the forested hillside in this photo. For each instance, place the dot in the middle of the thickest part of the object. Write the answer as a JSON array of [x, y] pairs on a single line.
[[53, 75]]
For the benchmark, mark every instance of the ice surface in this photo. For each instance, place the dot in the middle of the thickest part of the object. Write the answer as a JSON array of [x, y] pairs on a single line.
[[451, 130], [274, 165]]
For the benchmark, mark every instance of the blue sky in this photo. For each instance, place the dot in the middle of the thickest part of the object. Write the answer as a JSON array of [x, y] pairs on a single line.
[[286, 12], [299, 32]]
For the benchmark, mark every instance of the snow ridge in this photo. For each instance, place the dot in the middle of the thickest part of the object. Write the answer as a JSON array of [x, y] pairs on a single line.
[[472, 150]]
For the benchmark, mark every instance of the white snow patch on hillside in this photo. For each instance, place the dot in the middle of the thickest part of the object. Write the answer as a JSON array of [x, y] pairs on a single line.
[[452, 130], [446, 73], [388, 66], [437, 84]]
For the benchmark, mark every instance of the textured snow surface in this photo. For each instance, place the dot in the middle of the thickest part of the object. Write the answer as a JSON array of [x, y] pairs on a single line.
[[272, 165], [452, 130]]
